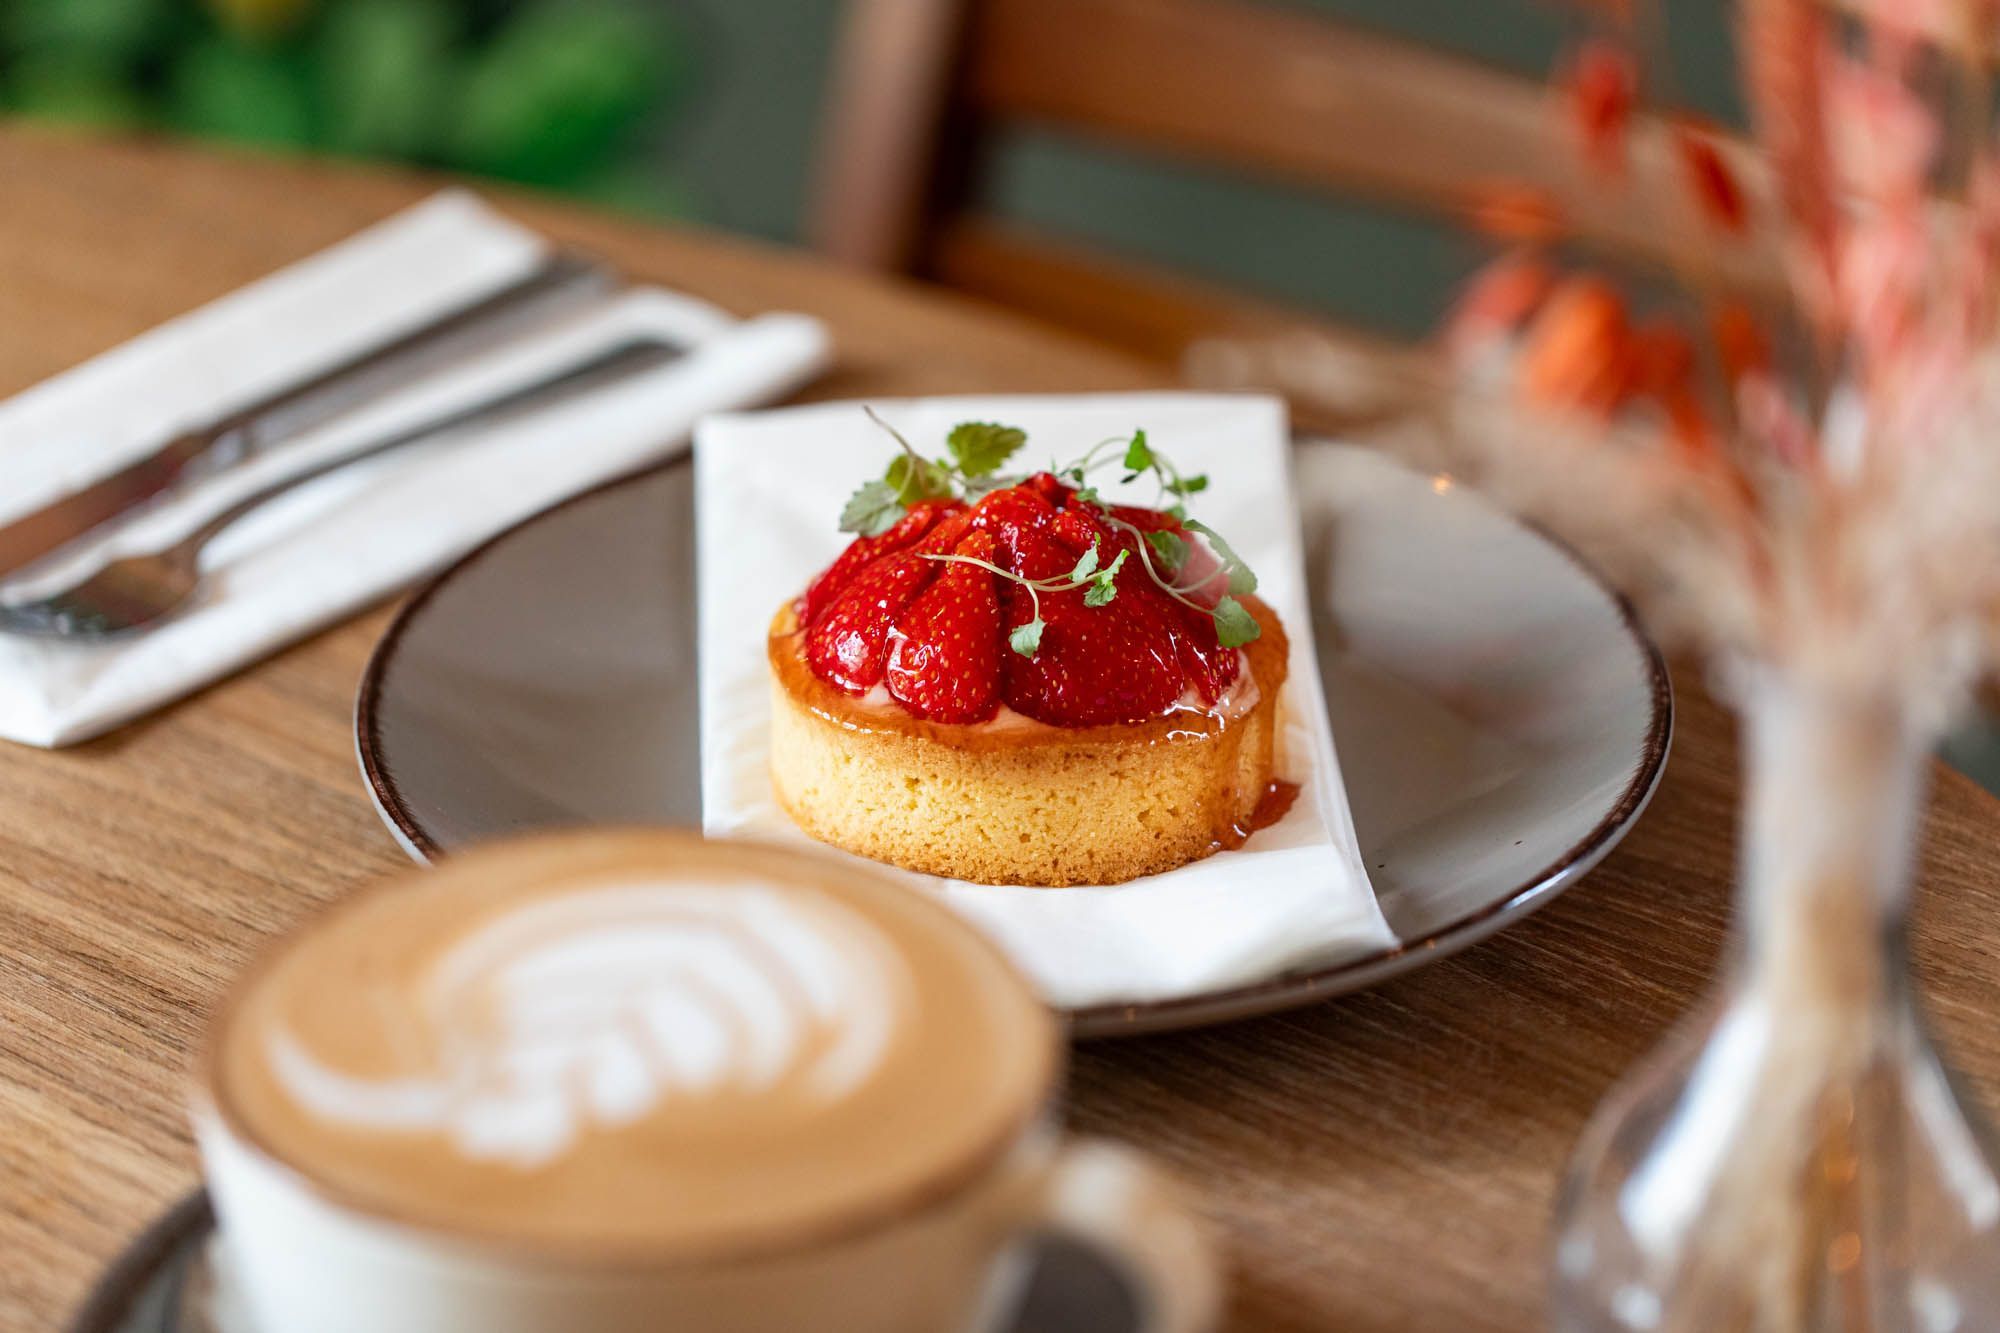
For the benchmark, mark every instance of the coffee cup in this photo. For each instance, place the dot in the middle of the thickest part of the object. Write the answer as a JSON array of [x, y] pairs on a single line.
[[624, 1080]]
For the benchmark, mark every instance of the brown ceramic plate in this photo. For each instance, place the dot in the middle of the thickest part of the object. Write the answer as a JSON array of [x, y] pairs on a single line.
[[1500, 717]]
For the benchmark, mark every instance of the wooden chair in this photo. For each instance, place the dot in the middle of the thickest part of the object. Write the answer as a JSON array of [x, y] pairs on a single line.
[[922, 87]]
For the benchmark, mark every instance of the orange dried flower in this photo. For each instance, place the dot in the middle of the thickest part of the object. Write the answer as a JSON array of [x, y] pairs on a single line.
[[1579, 350], [1788, 48], [1688, 423], [1514, 212], [1603, 86], [1717, 192], [1663, 358], [1665, 366], [1498, 300], [1883, 137], [1739, 341]]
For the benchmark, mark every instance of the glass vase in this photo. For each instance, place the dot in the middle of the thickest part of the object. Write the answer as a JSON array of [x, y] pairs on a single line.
[[1796, 1158]]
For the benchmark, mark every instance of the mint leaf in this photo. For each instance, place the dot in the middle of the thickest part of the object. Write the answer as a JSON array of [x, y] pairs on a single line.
[[1027, 640], [1235, 626], [1138, 455], [981, 447], [1170, 548], [1241, 579], [872, 510], [1086, 566], [914, 479]]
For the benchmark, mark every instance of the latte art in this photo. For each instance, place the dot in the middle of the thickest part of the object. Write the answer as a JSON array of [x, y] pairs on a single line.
[[630, 1039], [593, 1009]]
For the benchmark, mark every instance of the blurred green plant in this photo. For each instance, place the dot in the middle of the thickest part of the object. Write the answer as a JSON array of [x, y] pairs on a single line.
[[569, 95]]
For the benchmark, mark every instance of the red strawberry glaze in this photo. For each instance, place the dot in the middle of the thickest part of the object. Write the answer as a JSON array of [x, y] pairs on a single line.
[[848, 644], [936, 631], [864, 550]]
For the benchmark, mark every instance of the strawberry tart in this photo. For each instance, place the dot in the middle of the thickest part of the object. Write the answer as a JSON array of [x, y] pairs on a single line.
[[1014, 680]]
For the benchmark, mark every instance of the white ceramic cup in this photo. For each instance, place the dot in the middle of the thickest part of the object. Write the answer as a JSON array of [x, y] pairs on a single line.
[[293, 1257]]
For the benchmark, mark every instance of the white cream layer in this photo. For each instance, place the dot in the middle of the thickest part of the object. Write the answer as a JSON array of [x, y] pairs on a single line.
[[1241, 696]]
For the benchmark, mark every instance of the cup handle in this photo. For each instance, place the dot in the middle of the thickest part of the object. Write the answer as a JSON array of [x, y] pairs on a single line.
[[1115, 1201]]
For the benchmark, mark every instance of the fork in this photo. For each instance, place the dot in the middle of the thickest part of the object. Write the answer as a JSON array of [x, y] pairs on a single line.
[[197, 453], [136, 591]]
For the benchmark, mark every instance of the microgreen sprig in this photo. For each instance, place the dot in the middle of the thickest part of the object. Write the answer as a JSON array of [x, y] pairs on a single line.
[[977, 448]]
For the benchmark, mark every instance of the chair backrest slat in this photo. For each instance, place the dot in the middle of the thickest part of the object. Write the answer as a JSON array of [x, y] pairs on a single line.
[[1157, 314], [1248, 85]]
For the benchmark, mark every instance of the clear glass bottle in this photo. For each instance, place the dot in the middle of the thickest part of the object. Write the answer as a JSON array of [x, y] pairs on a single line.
[[1796, 1159]]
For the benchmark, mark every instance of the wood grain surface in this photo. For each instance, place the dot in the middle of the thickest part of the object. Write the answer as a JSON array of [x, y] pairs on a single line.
[[1383, 1162]]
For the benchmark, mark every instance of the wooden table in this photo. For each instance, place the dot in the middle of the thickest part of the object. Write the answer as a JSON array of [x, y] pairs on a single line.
[[1381, 1162]]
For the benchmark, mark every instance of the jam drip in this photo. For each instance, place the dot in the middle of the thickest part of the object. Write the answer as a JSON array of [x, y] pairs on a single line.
[[1272, 806], [916, 609]]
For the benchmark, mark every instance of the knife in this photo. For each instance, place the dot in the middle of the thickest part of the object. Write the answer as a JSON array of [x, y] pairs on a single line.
[[559, 282]]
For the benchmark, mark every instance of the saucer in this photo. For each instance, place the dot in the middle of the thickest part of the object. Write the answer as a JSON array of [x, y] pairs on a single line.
[[1500, 717], [164, 1282]]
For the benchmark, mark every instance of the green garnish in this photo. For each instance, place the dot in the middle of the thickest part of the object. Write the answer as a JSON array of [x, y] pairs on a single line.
[[982, 446], [915, 479], [872, 510], [1171, 547], [1103, 586], [1234, 626], [1102, 589], [1138, 455], [978, 450], [1241, 579]]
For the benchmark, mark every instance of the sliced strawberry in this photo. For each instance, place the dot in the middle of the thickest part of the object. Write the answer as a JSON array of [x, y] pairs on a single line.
[[846, 645], [864, 551], [1146, 520], [1095, 665], [1035, 554], [1045, 485], [1079, 531], [1011, 515], [1211, 667], [944, 652], [949, 532]]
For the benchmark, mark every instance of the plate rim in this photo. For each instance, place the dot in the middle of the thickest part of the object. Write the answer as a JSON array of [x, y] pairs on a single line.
[[1287, 990]]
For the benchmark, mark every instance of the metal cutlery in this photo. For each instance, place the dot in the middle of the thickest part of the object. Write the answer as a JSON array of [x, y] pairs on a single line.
[[198, 453], [136, 591]]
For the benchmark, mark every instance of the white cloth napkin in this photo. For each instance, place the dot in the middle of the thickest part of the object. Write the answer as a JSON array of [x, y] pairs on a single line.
[[337, 545], [769, 491]]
